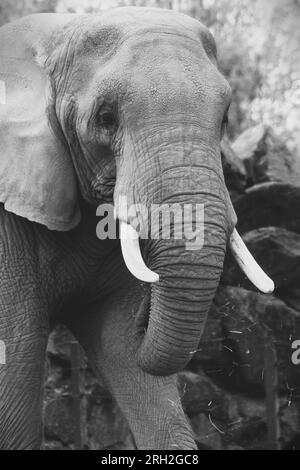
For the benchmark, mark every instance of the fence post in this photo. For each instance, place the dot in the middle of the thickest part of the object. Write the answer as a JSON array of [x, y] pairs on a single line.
[[76, 393], [271, 389]]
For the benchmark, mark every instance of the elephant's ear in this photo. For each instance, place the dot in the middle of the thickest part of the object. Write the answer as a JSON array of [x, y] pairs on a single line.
[[37, 178]]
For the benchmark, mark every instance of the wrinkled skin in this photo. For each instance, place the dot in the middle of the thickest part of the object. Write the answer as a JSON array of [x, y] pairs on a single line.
[[137, 100]]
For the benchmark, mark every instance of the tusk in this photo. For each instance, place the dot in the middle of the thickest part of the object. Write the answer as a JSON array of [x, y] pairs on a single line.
[[132, 254], [248, 264]]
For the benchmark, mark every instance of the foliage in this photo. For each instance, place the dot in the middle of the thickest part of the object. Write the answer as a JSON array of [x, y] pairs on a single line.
[[11, 10]]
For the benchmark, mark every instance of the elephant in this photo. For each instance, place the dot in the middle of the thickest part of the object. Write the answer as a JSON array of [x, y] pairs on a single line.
[[128, 103]]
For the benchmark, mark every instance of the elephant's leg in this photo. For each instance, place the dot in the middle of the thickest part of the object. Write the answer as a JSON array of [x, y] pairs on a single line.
[[150, 404], [24, 331]]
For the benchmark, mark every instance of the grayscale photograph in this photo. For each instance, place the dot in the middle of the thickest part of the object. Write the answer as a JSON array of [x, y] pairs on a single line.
[[149, 227]]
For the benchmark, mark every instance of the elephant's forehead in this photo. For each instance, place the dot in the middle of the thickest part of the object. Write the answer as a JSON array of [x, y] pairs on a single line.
[[107, 32], [149, 55], [156, 63]]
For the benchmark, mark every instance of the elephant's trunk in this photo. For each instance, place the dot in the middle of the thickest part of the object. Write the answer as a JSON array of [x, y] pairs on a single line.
[[188, 274], [181, 299]]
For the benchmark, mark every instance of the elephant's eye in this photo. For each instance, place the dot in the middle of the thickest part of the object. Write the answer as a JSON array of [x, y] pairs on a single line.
[[107, 120]]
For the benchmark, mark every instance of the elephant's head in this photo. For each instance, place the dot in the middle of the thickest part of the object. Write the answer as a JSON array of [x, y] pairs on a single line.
[[130, 103]]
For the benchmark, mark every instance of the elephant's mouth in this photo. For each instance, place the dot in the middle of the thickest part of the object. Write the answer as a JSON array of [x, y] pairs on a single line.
[[135, 263]]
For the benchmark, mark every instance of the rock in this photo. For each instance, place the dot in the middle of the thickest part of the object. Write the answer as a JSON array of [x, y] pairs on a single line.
[[249, 428], [294, 444], [276, 249], [265, 157], [251, 409], [289, 423], [103, 425], [59, 344], [291, 295], [250, 317], [106, 427], [199, 394], [234, 169], [213, 355], [205, 433], [251, 432], [249, 435], [211, 350], [231, 420], [237, 327], [54, 445], [59, 424], [234, 447], [97, 394], [269, 205]]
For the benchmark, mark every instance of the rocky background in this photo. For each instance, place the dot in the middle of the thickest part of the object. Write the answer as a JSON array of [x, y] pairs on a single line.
[[241, 389]]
